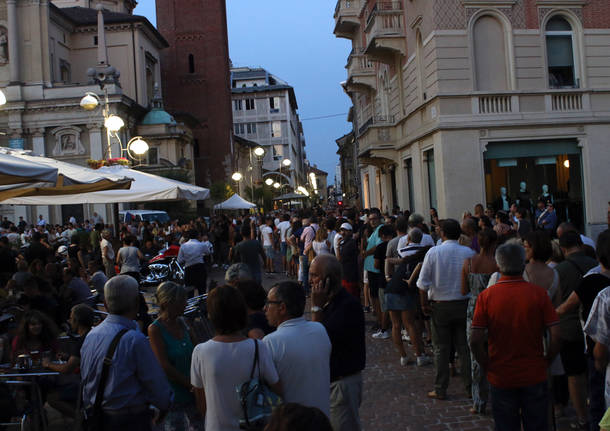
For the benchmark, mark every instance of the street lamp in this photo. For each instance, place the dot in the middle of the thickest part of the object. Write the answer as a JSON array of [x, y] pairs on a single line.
[[237, 176], [286, 162], [114, 123], [303, 190], [259, 151], [276, 185], [269, 181], [2, 98]]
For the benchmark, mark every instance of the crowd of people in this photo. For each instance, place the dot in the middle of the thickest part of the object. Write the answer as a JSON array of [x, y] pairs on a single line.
[[517, 304]]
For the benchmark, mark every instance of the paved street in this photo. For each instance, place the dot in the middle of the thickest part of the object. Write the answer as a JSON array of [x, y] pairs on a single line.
[[395, 396]]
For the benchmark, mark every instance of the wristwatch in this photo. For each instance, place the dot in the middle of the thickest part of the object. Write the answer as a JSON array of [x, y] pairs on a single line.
[[315, 309]]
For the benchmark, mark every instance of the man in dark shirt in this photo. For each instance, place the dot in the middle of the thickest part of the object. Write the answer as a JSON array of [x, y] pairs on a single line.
[[378, 282], [584, 294], [343, 318], [250, 252], [348, 256], [573, 358], [37, 250]]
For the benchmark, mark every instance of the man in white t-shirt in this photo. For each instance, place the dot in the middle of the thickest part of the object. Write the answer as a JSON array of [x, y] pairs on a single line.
[[267, 238], [107, 253], [300, 349], [282, 228]]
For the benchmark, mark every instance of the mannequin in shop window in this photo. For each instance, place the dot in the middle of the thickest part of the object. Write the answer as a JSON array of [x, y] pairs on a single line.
[[503, 202], [523, 197], [546, 196]]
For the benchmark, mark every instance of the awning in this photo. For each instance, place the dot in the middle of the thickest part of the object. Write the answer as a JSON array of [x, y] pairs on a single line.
[[14, 170], [145, 187], [289, 196], [235, 202]]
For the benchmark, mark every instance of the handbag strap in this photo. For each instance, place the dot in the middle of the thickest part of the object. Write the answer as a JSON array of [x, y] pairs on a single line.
[[255, 359], [106, 367]]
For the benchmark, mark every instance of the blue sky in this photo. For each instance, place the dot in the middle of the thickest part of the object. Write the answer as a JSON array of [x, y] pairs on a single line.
[[294, 41]]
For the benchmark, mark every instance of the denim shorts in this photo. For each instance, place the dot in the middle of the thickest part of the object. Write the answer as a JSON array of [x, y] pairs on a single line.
[[397, 302], [269, 251], [283, 248]]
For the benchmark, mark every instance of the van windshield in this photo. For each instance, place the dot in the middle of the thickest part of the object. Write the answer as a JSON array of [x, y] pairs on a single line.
[[158, 217]]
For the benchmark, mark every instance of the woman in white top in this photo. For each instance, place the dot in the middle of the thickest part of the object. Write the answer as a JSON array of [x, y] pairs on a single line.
[[224, 363], [321, 244]]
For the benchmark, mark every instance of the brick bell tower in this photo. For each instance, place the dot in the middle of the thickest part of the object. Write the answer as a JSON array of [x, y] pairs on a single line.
[[196, 80]]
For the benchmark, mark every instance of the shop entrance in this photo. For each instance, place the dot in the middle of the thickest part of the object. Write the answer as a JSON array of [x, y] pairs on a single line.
[[551, 163]]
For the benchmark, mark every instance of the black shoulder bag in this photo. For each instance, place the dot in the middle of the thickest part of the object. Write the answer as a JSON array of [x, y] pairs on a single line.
[[92, 419]]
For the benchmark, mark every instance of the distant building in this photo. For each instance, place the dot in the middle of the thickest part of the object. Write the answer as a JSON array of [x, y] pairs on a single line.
[[265, 111], [318, 182], [195, 71], [455, 99], [350, 172], [46, 49]]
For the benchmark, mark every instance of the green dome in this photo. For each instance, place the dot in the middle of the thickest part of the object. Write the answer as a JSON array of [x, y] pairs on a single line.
[[158, 116]]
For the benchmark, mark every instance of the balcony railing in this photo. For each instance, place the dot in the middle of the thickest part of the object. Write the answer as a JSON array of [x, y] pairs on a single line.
[[566, 102], [376, 120], [383, 6], [351, 7], [358, 63], [495, 104]]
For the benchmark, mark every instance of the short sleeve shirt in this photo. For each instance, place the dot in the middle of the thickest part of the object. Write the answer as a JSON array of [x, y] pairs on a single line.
[[266, 233], [598, 328], [515, 313], [219, 368], [380, 253]]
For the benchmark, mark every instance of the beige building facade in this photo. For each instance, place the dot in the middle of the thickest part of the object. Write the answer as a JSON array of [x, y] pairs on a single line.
[[455, 99], [46, 49]]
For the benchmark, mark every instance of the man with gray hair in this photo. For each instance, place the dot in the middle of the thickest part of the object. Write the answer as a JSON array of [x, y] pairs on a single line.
[[416, 221], [343, 318], [135, 379], [237, 272], [300, 349], [515, 314]]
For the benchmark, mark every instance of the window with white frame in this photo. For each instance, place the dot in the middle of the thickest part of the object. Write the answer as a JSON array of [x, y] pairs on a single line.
[[238, 105], [250, 128], [276, 129], [249, 104], [274, 104], [560, 53], [239, 128]]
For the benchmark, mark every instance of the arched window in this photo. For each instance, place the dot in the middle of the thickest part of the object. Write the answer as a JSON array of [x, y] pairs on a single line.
[[560, 53], [491, 72], [191, 63]]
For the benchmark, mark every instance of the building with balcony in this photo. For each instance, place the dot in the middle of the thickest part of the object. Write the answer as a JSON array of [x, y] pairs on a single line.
[[463, 97], [46, 49], [265, 111]]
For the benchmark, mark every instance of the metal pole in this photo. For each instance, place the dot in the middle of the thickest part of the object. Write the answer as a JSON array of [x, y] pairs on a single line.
[[251, 176], [106, 114]]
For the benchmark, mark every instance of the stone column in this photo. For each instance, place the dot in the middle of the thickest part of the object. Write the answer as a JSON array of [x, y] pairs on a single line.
[[13, 42], [16, 139], [38, 142], [96, 144]]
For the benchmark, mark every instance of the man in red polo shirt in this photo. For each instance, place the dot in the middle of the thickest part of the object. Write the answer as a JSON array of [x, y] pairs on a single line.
[[516, 314]]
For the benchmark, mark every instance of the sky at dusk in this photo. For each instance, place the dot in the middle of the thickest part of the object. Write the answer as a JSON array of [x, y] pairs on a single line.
[[294, 41]]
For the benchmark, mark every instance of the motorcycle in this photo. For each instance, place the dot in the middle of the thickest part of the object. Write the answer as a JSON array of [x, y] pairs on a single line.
[[162, 267]]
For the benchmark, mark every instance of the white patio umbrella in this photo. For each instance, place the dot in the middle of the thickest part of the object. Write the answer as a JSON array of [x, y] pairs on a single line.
[[14, 170], [145, 187], [235, 202], [70, 178]]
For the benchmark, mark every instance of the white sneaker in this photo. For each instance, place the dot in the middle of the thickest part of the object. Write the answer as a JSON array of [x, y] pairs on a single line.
[[423, 360], [404, 361], [405, 337], [381, 335]]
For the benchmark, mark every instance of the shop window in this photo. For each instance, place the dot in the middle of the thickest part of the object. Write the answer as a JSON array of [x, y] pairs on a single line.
[[524, 168], [489, 54], [431, 170], [560, 53]]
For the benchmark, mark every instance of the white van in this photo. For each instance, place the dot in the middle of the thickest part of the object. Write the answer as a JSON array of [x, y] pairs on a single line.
[[144, 215]]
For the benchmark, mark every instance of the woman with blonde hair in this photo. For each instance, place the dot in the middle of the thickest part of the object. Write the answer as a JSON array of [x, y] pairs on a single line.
[[321, 244], [172, 344]]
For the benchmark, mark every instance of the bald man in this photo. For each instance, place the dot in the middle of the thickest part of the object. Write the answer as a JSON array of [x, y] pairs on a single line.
[[343, 318]]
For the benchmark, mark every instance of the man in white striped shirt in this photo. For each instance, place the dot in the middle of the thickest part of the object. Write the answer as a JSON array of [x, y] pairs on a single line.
[[441, 297]]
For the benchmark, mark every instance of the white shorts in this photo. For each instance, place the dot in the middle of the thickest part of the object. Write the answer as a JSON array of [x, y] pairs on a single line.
[[365, 277]]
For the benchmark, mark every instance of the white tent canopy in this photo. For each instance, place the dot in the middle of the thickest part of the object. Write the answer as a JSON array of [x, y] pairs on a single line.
[[145, 187], [235, 202], [14, 170]]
